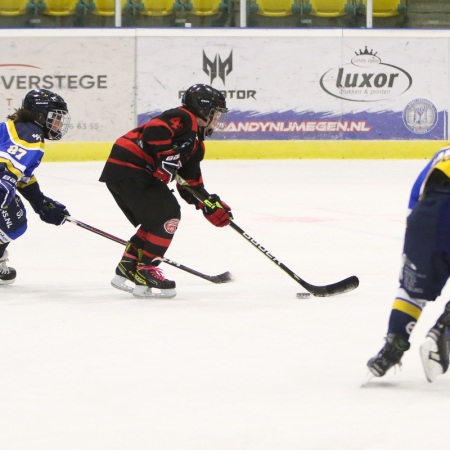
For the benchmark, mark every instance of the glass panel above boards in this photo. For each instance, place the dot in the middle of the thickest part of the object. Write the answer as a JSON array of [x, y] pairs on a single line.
[[285, 14]]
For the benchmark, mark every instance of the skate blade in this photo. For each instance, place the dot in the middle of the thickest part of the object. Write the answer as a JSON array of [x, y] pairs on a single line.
[[120, 283], [146, 292], [367, 379], [430, 359]]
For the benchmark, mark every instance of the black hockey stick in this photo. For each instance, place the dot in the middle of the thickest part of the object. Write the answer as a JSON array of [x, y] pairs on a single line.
[[218, 279], [346, 285]]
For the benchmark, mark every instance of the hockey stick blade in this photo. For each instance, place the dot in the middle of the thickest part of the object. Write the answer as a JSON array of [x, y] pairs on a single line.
[[347, 285], [218, 279], [221, 278], [328, 290]]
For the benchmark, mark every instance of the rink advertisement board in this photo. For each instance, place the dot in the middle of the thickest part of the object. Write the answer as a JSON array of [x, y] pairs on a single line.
[[280, 85], [94, 74], [309, 87]]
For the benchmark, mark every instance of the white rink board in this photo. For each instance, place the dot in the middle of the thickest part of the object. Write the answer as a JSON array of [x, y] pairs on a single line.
[[266, 74], [280, 84], [94, 75], [319, 87]]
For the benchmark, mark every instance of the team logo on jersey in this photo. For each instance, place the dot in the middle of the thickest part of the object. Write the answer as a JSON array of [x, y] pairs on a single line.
[[217, 67], [171, 225], [365, 79], [420, 116]]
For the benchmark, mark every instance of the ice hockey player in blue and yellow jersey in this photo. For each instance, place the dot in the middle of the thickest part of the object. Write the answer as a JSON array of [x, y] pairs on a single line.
[[424, 273], [43, 115]]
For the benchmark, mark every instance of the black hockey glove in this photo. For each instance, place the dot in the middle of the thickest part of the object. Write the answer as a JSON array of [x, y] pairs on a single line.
[[50, 211], [8, 184], [168, 165]]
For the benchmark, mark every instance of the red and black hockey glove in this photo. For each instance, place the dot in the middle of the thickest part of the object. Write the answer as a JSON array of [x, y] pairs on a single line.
[[216, 211], [168, 162]]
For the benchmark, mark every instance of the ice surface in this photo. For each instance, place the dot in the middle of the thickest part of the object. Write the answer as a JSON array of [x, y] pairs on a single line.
[[239, 366]]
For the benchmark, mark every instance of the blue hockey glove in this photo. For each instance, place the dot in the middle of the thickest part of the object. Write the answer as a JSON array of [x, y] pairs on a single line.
[[50, 211], [7, 188]]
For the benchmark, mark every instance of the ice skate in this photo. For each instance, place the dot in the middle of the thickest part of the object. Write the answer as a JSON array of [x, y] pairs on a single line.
[[434, 352], [389, 356], [7, 274], [125, 271], [148, 277]]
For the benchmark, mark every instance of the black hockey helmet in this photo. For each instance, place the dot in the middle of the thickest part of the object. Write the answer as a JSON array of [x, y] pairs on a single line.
[[49, 111], [206, 103], [201, 99]]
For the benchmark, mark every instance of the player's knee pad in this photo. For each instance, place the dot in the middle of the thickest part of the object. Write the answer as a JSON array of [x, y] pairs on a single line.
[[13, 221]]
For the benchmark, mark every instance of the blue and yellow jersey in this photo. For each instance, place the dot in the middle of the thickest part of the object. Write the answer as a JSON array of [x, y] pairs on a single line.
[[440, 161], [21, 149]]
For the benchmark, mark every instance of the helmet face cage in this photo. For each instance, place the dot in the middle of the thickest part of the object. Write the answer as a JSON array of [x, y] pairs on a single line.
[[216, 120], [57, 124], [50, 112]]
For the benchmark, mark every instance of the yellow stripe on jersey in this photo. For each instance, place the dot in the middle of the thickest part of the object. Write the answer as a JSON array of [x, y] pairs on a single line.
[[38, 145], [11, 168], [444, 166], [407, 308]]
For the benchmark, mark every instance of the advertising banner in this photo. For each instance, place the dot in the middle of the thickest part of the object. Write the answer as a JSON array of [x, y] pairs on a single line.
[[308, 87], [312, 86], [94, 75]]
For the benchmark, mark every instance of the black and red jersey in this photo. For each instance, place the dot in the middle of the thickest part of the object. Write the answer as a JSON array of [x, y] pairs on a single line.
[[135, 154]]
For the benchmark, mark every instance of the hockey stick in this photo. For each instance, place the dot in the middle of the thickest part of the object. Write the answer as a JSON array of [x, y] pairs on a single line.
[[346, 285], [218, 279]]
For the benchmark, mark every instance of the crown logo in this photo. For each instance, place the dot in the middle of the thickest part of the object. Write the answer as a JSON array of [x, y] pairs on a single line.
[[366, 52]]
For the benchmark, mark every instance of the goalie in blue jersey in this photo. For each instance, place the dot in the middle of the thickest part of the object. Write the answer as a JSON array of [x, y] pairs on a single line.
[[425, 271], [43, 115]]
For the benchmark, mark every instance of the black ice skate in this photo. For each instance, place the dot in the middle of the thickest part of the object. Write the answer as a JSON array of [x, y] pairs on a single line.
[[150, 276], [7, 274], [125, 271], [389, 355], [434, 352]]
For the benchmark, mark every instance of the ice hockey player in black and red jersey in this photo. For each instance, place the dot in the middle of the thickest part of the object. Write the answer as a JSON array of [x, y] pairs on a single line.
[[43, 115], [141, 165], [425, 272]]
